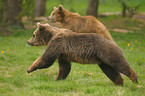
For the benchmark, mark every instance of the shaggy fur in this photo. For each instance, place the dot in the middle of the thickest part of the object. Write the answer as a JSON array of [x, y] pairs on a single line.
[[77, 23], [84, 48]]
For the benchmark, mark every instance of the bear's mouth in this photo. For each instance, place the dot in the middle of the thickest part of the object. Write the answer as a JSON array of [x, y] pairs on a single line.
[[50, 19], [30, 43]]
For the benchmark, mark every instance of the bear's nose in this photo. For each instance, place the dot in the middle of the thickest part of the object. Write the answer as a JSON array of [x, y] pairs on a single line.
[[30, 43], [27, 42], [47, 18]]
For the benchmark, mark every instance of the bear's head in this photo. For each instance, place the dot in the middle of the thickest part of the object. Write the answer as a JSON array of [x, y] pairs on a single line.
[[41, 35], [58, 14]]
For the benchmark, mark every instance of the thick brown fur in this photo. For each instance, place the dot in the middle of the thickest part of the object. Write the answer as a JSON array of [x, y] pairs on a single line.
[[84, 48], [79, 24]]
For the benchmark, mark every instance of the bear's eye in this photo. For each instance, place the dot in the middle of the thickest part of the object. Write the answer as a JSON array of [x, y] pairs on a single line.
[[33, 35], [53, 14]]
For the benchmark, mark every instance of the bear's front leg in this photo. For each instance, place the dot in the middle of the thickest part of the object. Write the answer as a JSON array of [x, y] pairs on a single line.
[[64, 69], [112, 74], [35, 65], [39, 64], [47, 59]]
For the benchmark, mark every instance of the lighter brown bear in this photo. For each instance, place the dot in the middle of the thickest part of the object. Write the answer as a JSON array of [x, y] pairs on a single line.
[[77, 23], [84, 48]]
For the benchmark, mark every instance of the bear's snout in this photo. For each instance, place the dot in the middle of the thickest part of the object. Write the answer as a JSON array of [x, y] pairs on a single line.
[[30, 43], [50, 18], [47, 18]]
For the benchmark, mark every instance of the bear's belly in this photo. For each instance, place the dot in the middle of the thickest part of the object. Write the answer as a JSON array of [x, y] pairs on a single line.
[[84, 60]]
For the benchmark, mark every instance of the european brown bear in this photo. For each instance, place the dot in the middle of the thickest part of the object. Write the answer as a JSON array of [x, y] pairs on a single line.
[[84, 48], [77, 23]]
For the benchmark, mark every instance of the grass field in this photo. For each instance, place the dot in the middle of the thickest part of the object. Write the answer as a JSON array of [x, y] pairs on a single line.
[[84, 80], [80, 6], [16, 56]]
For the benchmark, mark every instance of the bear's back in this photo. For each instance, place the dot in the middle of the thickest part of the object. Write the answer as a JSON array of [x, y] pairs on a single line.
[[83, 24], [92, 46]]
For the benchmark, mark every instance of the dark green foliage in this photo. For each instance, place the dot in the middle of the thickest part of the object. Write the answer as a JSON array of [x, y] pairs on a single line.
[[27, 8]]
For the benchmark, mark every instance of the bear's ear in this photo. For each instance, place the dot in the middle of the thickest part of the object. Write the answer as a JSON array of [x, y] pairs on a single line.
[[38, 24], [41, 28], [60, 7]]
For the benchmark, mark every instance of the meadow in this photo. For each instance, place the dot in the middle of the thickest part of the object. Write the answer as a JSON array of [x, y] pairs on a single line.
[[84, 80]]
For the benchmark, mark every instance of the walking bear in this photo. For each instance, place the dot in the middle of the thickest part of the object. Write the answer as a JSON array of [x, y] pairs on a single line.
[[84, 48], [77, 23]]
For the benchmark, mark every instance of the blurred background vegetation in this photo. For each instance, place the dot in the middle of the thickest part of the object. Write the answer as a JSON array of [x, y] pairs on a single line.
[[12, 11]]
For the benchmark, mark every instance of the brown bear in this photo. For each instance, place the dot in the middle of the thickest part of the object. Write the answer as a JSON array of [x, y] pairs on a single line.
[[77, 23], [84, 48]]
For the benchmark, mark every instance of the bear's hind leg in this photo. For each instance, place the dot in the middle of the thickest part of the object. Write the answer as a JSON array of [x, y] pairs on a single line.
[[133, 76], [64, 69], [112, 74], [125, 69]]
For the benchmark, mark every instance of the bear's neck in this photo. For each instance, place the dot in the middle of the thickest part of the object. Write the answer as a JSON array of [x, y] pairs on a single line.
[[53, 30], [50, 33], [68, 15], [64, 15]]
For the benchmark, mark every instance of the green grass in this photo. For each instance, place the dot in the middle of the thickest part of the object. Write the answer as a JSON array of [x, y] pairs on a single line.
[[83, 80], [80, 6]]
